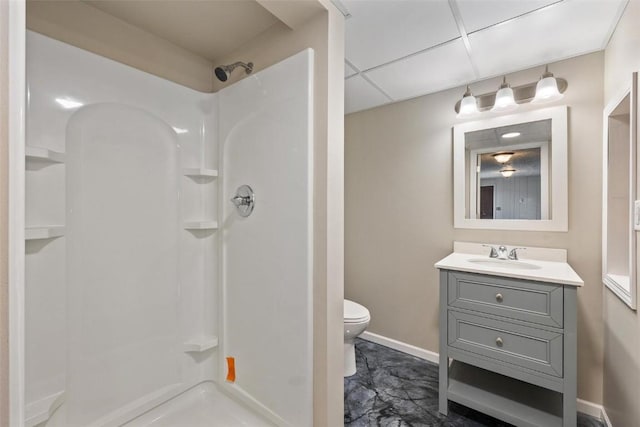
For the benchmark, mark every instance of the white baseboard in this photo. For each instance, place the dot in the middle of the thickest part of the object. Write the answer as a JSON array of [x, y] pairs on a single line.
[[590, 408], [605, 419], [401, 346], [584, 406]]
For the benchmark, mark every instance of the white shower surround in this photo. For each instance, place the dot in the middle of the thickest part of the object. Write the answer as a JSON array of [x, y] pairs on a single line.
[[97, 326], [265, 131]]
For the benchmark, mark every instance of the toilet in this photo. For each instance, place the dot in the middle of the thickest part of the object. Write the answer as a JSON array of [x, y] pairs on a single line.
[[356, 320]]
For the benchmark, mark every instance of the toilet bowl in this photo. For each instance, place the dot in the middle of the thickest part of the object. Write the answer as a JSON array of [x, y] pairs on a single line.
[[356, 320]]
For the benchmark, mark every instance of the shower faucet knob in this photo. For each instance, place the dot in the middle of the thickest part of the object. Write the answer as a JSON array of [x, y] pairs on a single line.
[[241, 201], [244, 200]]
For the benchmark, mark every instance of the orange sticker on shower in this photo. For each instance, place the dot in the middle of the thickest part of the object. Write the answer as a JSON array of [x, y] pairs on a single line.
[[231, 369]]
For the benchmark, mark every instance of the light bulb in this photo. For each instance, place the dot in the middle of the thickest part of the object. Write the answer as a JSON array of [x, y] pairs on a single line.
[[502, 157], [507, 171], [468, 105], [547, 90], [504, 98]]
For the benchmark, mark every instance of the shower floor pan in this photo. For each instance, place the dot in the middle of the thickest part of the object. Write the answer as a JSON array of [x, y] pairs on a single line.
[[202, 406]]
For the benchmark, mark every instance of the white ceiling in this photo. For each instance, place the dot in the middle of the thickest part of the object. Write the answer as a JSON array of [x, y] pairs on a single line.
[[400, 49], [492, 138]]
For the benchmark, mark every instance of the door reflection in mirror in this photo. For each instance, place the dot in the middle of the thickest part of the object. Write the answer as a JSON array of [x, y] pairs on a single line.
[[509, 171]]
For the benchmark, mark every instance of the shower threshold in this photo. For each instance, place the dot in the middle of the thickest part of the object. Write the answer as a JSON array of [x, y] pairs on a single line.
[[201, 406]]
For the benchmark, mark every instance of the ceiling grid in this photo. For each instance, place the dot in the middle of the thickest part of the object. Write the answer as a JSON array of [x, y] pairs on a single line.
[[398, 49], [464, 35]]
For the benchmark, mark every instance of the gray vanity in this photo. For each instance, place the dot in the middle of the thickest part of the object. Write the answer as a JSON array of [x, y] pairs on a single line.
[[508, 336]]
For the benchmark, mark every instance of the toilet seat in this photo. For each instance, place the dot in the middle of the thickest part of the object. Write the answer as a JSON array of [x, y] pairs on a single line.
[[355, 313]]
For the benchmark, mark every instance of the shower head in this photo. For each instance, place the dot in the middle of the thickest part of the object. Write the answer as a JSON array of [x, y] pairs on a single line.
[[222, 72]]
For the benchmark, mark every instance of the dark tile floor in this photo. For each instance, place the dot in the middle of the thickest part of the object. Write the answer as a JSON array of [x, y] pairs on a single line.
[[394, 389]]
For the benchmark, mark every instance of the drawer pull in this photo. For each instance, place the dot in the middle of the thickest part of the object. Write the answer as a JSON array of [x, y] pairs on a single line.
[[499, 342], [499, 297]]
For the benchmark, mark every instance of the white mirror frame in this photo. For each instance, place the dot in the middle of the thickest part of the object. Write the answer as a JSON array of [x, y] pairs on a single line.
[[559, 172]]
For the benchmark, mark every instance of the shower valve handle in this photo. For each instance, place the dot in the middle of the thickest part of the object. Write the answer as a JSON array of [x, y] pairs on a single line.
[[244, 200], [241, 201]]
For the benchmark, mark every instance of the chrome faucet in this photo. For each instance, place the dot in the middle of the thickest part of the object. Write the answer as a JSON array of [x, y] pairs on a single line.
[[503, 253], [494, 251], [513, 254], [241, 201]]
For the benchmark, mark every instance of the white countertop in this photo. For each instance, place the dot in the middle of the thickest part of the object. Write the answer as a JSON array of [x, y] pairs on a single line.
[[549, 271]]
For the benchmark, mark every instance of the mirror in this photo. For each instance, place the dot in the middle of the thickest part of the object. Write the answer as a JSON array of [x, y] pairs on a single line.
[[510, 172]]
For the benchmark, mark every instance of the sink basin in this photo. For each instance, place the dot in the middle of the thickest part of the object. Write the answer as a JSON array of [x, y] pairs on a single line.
[[504, 263]]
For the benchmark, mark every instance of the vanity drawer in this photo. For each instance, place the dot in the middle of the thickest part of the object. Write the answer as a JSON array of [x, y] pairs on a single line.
[[530, 348], [535, 302]]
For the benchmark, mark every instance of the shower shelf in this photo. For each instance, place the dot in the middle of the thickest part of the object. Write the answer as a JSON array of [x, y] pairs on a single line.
[[44, 154], [201, 225], [47, 232], [201, 172], [41, 410], [198, 345]]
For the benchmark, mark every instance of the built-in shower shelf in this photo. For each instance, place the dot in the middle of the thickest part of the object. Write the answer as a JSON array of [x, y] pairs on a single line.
[[201, 173], [41, 410], [198, 345], [46, 232], [44, 154], [201, 225]]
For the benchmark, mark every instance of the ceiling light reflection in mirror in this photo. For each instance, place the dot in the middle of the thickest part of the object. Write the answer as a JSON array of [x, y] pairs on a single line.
[[505, 167]]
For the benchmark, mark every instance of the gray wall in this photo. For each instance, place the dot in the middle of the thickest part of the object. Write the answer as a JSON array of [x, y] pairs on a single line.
[[517, 197], [399, 210]]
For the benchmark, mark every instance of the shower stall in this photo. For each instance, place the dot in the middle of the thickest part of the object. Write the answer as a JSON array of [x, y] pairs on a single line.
[[152, 299]]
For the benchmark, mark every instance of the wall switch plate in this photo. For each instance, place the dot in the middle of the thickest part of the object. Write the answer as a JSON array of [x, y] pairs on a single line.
[[636, 215]]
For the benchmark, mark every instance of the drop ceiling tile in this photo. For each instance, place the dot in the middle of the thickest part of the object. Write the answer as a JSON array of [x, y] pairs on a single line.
[[436, 69], [563, 30], [381, 31], [359, 95], [481, 14], [348, 70]]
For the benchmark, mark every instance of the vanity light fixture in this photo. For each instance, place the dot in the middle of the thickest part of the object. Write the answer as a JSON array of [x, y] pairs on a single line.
[[504, 98], [543, 90], [502, 157], [468, 105], [547, 88], [507, 171]]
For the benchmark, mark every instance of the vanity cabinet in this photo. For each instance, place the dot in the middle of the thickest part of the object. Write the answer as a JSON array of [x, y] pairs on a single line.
[[512, 347]]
